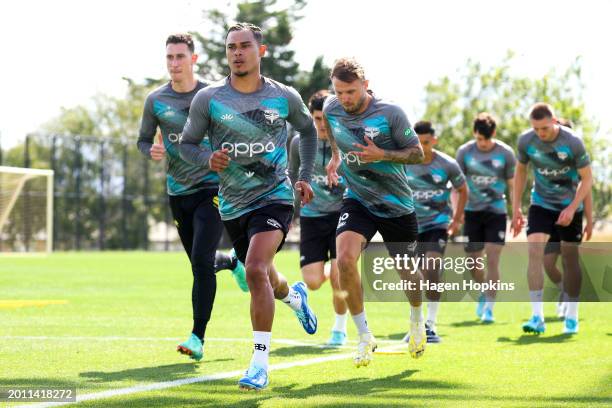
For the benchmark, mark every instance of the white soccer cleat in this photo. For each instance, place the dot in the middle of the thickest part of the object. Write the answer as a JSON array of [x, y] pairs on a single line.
[[418, 339], [365, 348]]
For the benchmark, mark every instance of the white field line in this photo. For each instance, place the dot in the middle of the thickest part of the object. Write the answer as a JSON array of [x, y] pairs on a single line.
[[211, 377], [213, 339]]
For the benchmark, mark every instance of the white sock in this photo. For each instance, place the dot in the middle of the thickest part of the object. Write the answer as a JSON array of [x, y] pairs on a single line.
[[361, 323], [536, 302], [416, 313], [340, 324], [490, 303], [432, 310], [261, 348], [293, 299], [572, 308]]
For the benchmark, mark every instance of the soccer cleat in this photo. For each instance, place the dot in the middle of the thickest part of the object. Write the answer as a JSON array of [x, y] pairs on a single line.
[[337, 338], [570, 326], [487, 316], [534, 325], [418, 339], [481, 305], [305, 314], [192, 348], [239, 273], [255, 378], [365, 348], [430, 332]]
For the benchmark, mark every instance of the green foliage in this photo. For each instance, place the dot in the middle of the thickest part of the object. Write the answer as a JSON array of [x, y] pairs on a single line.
[[452, 103]]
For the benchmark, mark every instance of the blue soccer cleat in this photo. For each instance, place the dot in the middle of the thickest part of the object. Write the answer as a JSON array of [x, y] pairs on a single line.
[[192, 348], [337, 339], [255, 378], [570, 326], [487, 317], [239, 273], [534, 325], [481, 305], [305, 315], [430, 332]]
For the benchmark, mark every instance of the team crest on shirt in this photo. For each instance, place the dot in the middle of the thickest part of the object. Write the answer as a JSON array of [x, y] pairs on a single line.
[[371, 132], [271, 115], [436, 178], [497, 163], [562, 155]]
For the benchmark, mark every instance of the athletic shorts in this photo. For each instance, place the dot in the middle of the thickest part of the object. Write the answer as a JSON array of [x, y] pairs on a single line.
[[318, 238], [544, 220], [483, 226], [401, 230], [433, 240], [269, 218]]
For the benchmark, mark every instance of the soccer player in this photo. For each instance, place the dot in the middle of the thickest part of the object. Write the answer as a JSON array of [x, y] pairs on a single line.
[[431, 183], [552, 250], [192, 190], [562, 180], [488, 165], [318, 221], [371, 142], [246, 118]]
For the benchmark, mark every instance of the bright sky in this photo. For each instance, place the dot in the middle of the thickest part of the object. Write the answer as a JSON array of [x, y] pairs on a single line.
[[62, 52]]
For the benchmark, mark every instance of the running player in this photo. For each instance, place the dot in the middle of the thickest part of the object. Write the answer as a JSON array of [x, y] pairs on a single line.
[[431, 183], [562, 180], [371, 142], [318, 221], [553, 246], [192, 190], [245, 116], [488, 165]]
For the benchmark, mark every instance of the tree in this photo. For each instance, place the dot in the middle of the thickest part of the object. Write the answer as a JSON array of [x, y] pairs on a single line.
[[452, 103]]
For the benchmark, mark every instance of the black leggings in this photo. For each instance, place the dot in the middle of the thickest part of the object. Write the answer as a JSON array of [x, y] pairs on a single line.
[[200, 229]]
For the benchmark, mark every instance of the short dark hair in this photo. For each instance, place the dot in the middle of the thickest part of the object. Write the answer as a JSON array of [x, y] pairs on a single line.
[[347, 70], [257, 33], [541, 111], [566, 122], [181, 38], [315, 102], [485, 124], [423, 127]]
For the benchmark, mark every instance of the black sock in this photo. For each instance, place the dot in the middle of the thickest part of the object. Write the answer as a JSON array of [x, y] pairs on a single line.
[[199, 327]]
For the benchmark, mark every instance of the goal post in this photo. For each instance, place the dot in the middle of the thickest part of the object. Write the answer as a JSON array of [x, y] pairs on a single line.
[[26, 210]]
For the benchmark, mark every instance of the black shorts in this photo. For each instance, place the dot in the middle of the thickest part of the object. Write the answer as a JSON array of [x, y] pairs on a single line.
[[318, 238], [433, 240], [269, 218], [401, 230], [483, 226], [544, 220]]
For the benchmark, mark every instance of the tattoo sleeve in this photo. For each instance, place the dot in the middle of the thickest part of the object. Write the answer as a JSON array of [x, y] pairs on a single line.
[[409, 155]]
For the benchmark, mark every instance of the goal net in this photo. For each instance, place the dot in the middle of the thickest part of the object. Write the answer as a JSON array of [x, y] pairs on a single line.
[[26, 210]]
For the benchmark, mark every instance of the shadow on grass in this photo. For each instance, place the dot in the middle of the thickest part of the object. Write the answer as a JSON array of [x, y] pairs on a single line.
[[395, 336], [302, 351], [526, 339], [158, 373], [466, 323]]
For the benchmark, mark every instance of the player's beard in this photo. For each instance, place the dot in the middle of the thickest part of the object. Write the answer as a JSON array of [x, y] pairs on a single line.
[[241, 73], [357, 106]]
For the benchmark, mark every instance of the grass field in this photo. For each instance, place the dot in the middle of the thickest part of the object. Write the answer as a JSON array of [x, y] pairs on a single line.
[[114, 319]]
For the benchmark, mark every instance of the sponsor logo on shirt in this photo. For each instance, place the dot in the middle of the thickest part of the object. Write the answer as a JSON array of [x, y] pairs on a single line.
[[247, 149], [350, 158], [319, 179], [426, 195], [227, 117], [483, 180], [554, 172], [175, 137]]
